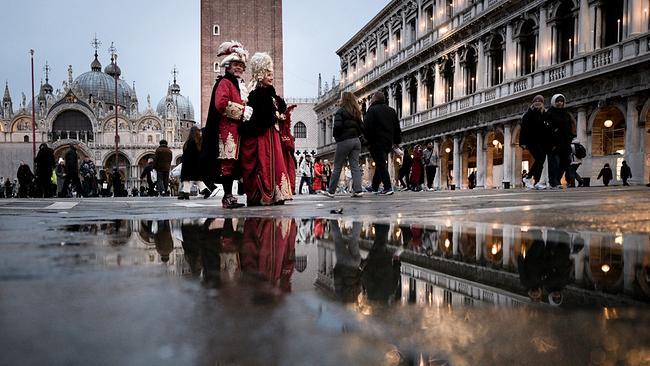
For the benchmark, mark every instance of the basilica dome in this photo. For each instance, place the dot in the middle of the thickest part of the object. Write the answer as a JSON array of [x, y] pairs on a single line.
[[102, 86], [184, 107]]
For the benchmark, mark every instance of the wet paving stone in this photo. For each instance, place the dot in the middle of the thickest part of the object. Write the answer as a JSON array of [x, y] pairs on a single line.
[[323, 291]]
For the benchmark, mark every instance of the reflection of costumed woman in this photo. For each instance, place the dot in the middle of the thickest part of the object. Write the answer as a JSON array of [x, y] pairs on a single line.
[[266, 177]]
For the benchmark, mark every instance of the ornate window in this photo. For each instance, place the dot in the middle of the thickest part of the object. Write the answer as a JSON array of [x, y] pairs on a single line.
[[25, 138], [300, 130]]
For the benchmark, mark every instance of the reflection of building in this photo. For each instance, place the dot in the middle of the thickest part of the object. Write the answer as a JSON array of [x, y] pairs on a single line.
[[83, 113], [461, 73], [463, 263]]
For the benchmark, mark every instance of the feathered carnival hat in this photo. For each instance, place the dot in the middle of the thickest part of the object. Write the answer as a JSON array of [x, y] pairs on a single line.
[[234, 51], [261, 63]]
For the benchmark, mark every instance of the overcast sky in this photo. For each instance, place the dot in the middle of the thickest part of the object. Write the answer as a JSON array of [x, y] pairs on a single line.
[[151, 36]]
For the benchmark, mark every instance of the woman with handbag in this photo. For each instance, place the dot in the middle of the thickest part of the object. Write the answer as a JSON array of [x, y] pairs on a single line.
[[347, 132]]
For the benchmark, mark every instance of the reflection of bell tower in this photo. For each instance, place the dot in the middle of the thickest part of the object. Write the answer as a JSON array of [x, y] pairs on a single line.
[[258, 29]]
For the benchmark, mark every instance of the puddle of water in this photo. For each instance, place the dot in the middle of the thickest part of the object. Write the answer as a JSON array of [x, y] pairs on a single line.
[[364, 292]]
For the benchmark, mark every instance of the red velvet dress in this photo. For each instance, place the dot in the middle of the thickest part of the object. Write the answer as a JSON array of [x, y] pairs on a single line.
[[229, 141], [289, 147], [264, 171], [318, 177], [417, 169], [268, 250]]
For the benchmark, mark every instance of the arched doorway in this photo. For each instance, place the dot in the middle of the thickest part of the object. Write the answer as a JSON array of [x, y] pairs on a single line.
[[494, 163], [60, 151], [142, 163], [123, 167], [468, 151], [72, 124], [608, 139]]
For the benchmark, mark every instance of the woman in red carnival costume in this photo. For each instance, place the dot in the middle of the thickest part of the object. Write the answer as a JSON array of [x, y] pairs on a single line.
[[266, 177]]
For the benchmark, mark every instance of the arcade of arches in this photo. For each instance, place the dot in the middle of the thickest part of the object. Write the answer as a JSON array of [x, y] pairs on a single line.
[[611, 134]]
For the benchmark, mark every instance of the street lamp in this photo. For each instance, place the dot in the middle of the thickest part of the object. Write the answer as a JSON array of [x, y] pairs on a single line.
[[31, 53], [608, 123], [447, 150]]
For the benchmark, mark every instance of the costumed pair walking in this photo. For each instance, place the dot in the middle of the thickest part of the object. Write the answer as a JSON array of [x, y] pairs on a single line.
[[247, 134]]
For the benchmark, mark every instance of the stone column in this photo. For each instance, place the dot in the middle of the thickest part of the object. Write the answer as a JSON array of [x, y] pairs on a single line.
[[457, 175], [543, 49], [480, 160], [458, 77], [481, 229], [439, 89], [634, 141], [509, 64], [507, 154], [637, 18], [436, 179], [455, 237], [581, 126], [406, 105], [599, 30], [481, 73], [421, 99], [508, 245]]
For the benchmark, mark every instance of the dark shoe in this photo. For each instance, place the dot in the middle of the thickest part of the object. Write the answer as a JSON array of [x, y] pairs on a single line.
[[206, 193], [387, 192], [230, 202], [183, 196]]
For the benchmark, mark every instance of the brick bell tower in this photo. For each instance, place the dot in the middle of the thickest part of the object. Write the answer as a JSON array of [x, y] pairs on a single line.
[[256, 24]]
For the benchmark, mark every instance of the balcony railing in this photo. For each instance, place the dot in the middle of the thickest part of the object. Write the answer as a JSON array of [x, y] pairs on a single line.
[[85, 135], [542, 77]]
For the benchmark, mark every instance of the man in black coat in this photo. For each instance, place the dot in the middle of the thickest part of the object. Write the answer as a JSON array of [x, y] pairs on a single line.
[[25, 180], [382, 131], [163, 164], [45, 163], [71, 171], [146, 174]]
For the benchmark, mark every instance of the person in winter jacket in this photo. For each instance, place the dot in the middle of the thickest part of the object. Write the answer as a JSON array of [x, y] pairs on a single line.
[[191, 171], [606, 174], [535, 137], [431, 160], [71, 171], [163, 164], [146, 174], [382, 130], [563, 131], [44, 164], [348, 127], [626, 173]]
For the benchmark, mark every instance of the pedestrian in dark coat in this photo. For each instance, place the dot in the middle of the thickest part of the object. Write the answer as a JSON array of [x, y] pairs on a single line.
[[71, 171], [25, 179], [347, 131], [535, 136], [382, 130], [606, 174], [191, 169], [163, 164], [626, 173], [44, 165], [564, 130], [146, 174]]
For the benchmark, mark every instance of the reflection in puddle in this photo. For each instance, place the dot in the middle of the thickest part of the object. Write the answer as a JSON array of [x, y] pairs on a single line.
[[354, 292], [440, 264]]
